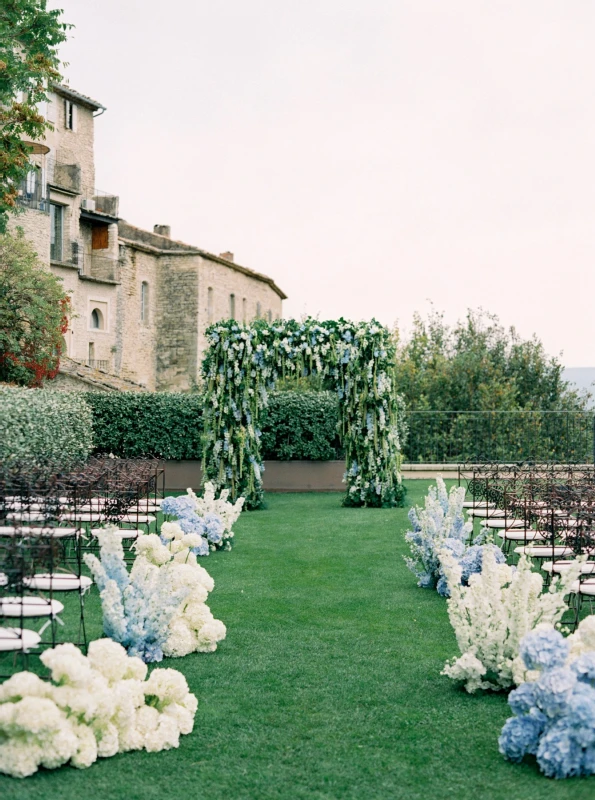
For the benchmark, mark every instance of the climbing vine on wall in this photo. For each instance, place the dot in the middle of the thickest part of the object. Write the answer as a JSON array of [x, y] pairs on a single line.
[[243, 362]]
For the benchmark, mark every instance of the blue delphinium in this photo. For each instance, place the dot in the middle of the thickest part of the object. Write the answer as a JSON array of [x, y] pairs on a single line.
[[136, 608], [554, 716]]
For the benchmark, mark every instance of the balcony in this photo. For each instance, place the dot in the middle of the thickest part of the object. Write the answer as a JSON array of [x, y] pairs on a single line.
[[32, 193], [66, 177], [102, 204], [102, 267]]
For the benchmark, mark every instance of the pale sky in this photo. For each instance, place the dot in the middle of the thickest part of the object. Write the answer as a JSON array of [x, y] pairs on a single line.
[[369, 156]]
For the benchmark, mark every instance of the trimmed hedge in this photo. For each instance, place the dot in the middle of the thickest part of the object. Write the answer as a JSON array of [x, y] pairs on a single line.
[[45, 428], [162, 424], [296, 426], [301, 426]]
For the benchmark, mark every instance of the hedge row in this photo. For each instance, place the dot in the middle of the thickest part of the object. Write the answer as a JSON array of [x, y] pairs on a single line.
[[44, 428], [296, 426]]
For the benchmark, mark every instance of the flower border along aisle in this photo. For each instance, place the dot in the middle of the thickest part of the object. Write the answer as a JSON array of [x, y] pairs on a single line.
[[94, 707], [159, 608], [243, 362]]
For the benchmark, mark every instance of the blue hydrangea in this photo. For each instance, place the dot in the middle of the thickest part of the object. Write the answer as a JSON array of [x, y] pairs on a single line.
[[192, 523], [522, 699], [214, 528], [472, 560], [520, 736], [581, 714], [177, 506], [544, 649], [553, 691], [584, 668], [559, 755], [202, 549]]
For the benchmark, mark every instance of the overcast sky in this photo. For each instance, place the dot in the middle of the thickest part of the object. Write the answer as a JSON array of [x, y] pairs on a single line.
[[369, 156]]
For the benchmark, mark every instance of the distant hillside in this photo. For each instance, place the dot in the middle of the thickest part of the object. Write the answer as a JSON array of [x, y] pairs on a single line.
[[582, 377]]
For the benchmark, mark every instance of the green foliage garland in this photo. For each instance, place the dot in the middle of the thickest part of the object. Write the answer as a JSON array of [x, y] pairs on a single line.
[[242, 364]]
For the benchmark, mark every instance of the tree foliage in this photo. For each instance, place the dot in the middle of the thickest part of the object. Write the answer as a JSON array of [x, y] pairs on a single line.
[[29, 37], [478, 365], [34, 313]]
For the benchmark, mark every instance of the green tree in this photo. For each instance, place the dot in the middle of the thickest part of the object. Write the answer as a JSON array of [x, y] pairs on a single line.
[[29, 38], [34, 313], [478, 365]]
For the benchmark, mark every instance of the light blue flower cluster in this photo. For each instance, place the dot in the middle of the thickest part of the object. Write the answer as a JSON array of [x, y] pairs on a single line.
[[554, 717], [439, 526], [210, 527], [138, 607]]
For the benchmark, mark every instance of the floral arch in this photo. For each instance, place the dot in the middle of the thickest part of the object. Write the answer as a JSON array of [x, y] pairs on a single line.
[[243, 362]]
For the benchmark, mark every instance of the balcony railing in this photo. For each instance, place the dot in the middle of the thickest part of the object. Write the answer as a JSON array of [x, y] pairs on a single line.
[[32, 193], [98, 364], [99, 266]]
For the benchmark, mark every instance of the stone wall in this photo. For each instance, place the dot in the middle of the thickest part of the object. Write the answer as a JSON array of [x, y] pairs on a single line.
[[136, 339], [177, 319]]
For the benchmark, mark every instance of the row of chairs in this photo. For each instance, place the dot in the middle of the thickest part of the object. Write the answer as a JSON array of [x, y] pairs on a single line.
[[47, 523]]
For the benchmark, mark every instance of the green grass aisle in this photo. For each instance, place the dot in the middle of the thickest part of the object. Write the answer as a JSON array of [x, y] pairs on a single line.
[[328, 685]]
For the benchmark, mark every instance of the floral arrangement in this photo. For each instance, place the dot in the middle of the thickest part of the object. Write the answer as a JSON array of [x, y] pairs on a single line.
[[159, 607], [439, 526], [243, 362], [491, 616], [209, 517], [554, 715], [94, 707]]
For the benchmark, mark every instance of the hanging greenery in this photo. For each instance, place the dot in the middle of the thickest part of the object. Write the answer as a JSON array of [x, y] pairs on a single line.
[[243, 362]]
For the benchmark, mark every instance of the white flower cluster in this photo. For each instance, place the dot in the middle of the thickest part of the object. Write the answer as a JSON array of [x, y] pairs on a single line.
[[95, 706], [193, 627], [227, 511], [492, 615]]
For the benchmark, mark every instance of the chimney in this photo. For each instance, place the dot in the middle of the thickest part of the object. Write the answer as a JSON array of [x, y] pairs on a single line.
[[162, 230], [227, 255]]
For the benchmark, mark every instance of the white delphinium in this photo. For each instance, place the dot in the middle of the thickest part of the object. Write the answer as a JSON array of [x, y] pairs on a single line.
[[492, 615], [583, 639], [209, 504]]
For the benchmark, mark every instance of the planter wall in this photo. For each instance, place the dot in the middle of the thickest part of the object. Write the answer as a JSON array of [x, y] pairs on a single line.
[[296, 476]]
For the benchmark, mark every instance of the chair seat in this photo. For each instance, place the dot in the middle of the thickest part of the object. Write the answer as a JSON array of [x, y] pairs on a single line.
[[521, 535], [12, 639], [150, 508], [482, 511], [586, 588], [588, 568], [84, 516], [27, 530], [29, 607], [57, 582], [477, 504], [123, 533], [505, 523], [544, 551]]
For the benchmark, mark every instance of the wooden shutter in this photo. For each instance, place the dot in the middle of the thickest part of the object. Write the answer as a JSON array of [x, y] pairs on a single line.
[[100, 237]]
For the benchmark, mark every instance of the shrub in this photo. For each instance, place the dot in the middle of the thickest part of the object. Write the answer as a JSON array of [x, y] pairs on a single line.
[[301, 426], [161, 424], [43, 427]]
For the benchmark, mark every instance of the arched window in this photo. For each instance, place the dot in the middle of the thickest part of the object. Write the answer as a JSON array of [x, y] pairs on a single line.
[[210, 304], [232, 306], [244, 310], [96, 319], [269, 315], [258, 311], [144, 302]]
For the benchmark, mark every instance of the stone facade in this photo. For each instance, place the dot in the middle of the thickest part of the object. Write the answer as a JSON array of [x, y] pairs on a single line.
[[141, 300]]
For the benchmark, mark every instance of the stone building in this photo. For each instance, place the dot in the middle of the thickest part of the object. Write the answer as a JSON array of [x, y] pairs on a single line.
[[141, 300]]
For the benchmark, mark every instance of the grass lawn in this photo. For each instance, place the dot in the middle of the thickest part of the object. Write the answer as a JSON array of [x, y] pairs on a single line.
[[328, 684]]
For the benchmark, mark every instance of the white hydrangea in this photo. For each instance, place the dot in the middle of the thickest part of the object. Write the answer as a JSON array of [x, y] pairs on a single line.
[[96, 707], [209, 504]]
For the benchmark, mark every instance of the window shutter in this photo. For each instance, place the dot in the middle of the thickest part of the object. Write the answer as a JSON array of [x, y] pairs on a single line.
[[51, 111], [99, 237], [66, 113], [74, 119]]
